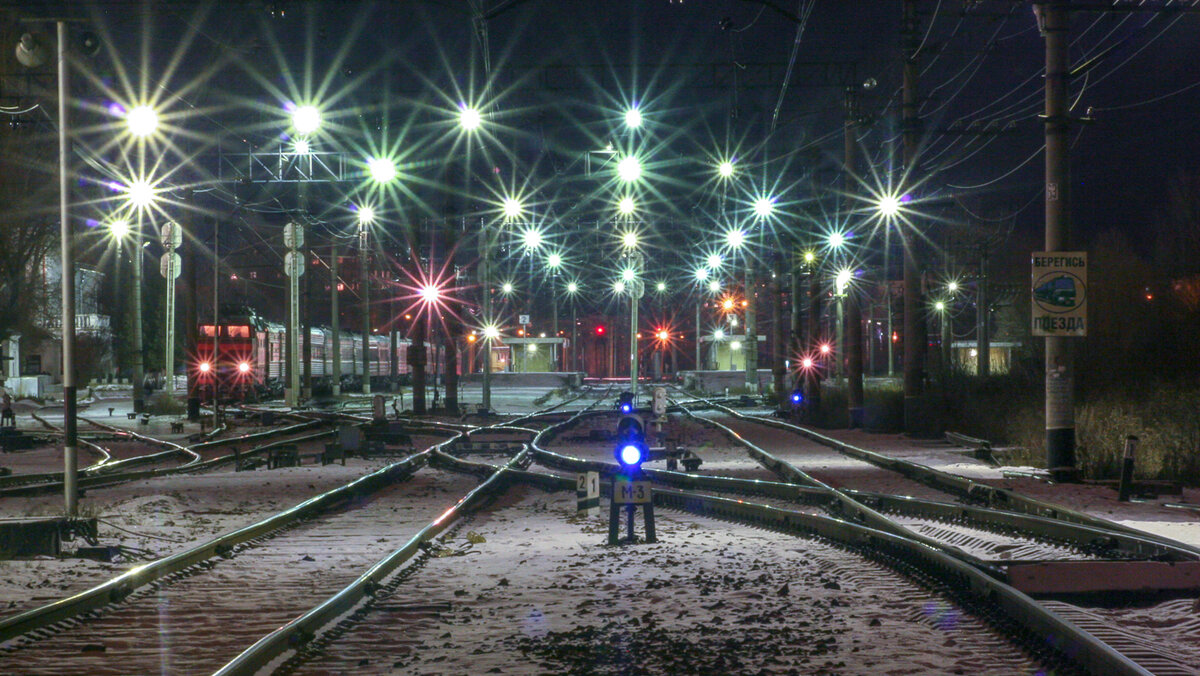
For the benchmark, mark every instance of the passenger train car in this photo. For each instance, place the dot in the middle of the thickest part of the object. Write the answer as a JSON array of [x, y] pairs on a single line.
[[251, 358]]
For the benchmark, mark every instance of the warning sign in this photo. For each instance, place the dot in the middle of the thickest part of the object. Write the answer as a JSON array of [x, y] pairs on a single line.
[[1060, 293]]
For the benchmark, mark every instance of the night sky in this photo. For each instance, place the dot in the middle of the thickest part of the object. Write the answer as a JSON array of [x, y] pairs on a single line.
[[223, 73]]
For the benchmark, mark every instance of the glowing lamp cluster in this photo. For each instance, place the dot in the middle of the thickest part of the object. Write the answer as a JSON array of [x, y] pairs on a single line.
[[764, 207], [469, 117], [142, 121], [531, 238], [629, 169], [889, 205], [306, 119], [140, 194], [382, 169], [513, 207], [430, 293], [633, 118], [119, 229]]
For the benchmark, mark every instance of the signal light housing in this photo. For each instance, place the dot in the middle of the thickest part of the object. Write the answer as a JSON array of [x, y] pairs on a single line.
[[625, 403], [631, 450]]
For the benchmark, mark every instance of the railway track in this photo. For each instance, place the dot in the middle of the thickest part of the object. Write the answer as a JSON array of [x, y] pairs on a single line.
[[175, 459], [1174, 657], [127, 610]]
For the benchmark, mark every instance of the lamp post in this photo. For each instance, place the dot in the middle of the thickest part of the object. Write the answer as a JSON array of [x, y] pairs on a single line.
[[553, 263], [366, 216], [172, 238], [31, 54], [572, 289], [70, 439]]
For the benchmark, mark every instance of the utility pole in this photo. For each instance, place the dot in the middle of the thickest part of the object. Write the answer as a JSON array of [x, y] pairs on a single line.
[[365, 272], [853, 327], [67, 241], [751, 326], [335, 318], [191, 321], [779, 339], [1060, 369], [172, 237], [306, 314], [983, 337], [139, 373], [293, 239], [813, 396], [489, 320], [453, 329], [636, 289], [914, 318], [417, 354]]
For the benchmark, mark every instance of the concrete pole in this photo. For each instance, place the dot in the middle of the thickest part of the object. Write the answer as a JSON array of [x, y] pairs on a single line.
[[139, 373], [191, 321], [699, 328], [485, 345], [751, 346], [306, 316], [295, 266], [813, 395], [67, 241], [634, 296], [853, 327], [983, 338], [335, 319], [778, 333], [365, 272], [172, 271], [914, 315], [1060, 369]]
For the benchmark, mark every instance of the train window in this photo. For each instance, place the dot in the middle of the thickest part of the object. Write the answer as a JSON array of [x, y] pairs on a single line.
[[206, 330], [238, 331]]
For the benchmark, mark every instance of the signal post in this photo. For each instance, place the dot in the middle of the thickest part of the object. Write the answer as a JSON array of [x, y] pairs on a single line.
[[630, 488]]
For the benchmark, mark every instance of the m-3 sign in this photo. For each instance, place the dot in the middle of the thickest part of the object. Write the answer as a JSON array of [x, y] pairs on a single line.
[[1060, 293]]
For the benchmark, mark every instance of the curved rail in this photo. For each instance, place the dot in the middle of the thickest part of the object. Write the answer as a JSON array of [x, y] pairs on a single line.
[[304, 629], [965, 488]]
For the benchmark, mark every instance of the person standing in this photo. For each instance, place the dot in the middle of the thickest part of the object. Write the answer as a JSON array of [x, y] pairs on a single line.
[[7, 417]]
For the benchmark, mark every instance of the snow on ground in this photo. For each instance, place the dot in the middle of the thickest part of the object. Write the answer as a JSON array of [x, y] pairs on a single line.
[[1152, 516], [545, 595], [162, 516]]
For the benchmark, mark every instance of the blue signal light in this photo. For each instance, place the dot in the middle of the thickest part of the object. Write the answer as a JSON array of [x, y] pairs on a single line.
[[797, 397], [626, 408], [631, 455]]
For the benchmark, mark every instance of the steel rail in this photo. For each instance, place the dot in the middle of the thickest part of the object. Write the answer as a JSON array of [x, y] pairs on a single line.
[[965, 488], [304, 629], [1088, 538], [36, 484], [1070, 642], [121, 586]]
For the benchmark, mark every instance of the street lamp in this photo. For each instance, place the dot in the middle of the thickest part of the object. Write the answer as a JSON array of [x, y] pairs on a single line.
[[725, 169], [306, 119], [626, 206], [572, 290], [629, 240], [366, 218], [633, 117], [735, 238], [469, 117], [629, 169], [764, 207], [142, 121], [381, 169], [513, 208]]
